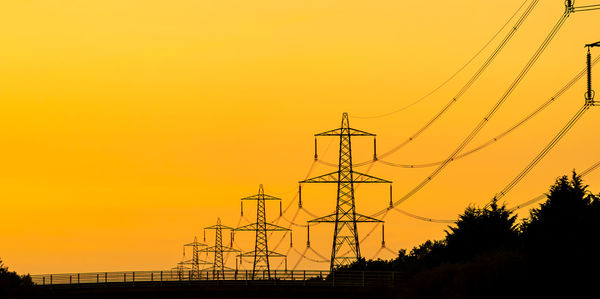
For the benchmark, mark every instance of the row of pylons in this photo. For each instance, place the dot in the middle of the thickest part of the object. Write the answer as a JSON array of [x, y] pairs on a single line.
[[261, 253], [345, 247]]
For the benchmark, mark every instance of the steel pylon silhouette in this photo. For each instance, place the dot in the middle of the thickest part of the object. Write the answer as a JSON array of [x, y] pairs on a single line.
[[195, 262], [261, 252], [218, 266], [180, 268], [345, 217]]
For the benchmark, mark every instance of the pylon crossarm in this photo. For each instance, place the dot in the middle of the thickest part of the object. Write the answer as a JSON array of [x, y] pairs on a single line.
[[195, 244], [273, 227], [229, 249], [218, 269], [331, 218], [276, 254], [325, 178], [365, 178], [190, 262], [214, 248], [247, 227], [349, 131], [268, 227], [260, 197], [328, 218], [363, 218], [218, 226], [247, 254]]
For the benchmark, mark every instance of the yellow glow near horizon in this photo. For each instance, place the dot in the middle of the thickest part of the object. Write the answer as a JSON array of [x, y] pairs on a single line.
[[128, 126]]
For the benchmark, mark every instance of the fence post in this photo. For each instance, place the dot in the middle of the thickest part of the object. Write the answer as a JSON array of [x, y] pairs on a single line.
[[124, 277], [151, 276], [50, 279], [304, 277], [133, 278], [43, 280], [105, 278], [333, 279], [363, 279], [97, 278], [70, 280], [78, 278]]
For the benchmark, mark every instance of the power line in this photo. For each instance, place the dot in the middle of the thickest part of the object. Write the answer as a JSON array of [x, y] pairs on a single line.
[[496, 138], [464, 88], [452, 76], [542, 196], [543, 153], [472, 80], [490, 114]]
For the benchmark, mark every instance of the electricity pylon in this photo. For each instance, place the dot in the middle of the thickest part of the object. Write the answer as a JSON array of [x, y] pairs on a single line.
[[345, 218], [218, 267], [261, 251], [180, 268], [195, 261]]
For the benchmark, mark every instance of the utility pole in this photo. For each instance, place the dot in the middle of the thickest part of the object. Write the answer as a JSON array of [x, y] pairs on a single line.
[[261, 251], [195, 261], [218, 267], [345, 217]]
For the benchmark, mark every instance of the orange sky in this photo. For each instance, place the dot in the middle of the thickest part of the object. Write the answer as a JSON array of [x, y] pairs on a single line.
[[127, 126]]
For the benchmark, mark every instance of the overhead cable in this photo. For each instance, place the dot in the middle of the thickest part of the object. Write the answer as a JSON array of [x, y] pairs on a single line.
[[452, 76], [490, 114]]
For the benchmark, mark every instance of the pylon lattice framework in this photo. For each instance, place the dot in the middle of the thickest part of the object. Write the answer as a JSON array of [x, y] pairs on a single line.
[[195, 261], [345, 218], [218, 267], [261, 251]]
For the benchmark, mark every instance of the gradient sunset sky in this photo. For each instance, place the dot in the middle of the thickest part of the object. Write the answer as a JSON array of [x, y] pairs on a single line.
[[127, 126]]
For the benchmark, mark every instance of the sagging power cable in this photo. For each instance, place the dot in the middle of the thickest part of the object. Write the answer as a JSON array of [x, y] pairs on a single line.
[[589, 101], [496, 138], [472, 80], [462, 91], [543, 153], [426, 219], [452, 76], [542, 196], [490, 114]]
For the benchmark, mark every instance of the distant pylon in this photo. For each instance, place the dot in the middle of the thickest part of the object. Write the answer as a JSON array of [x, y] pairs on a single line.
[[261, 251], [195, 261], [345, 218], [218, 267], [180, 268]]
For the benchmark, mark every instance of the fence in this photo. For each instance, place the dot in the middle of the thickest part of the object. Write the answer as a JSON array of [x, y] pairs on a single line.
[[231, 277]]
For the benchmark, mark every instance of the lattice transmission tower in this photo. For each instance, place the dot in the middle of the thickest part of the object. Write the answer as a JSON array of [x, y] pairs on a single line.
[[261, 252], [195, 262], [345, 248], [218, 266], [180, 269]]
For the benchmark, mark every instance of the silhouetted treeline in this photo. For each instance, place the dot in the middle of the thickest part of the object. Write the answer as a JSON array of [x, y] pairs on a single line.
[[487, 253], [11, 283]]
